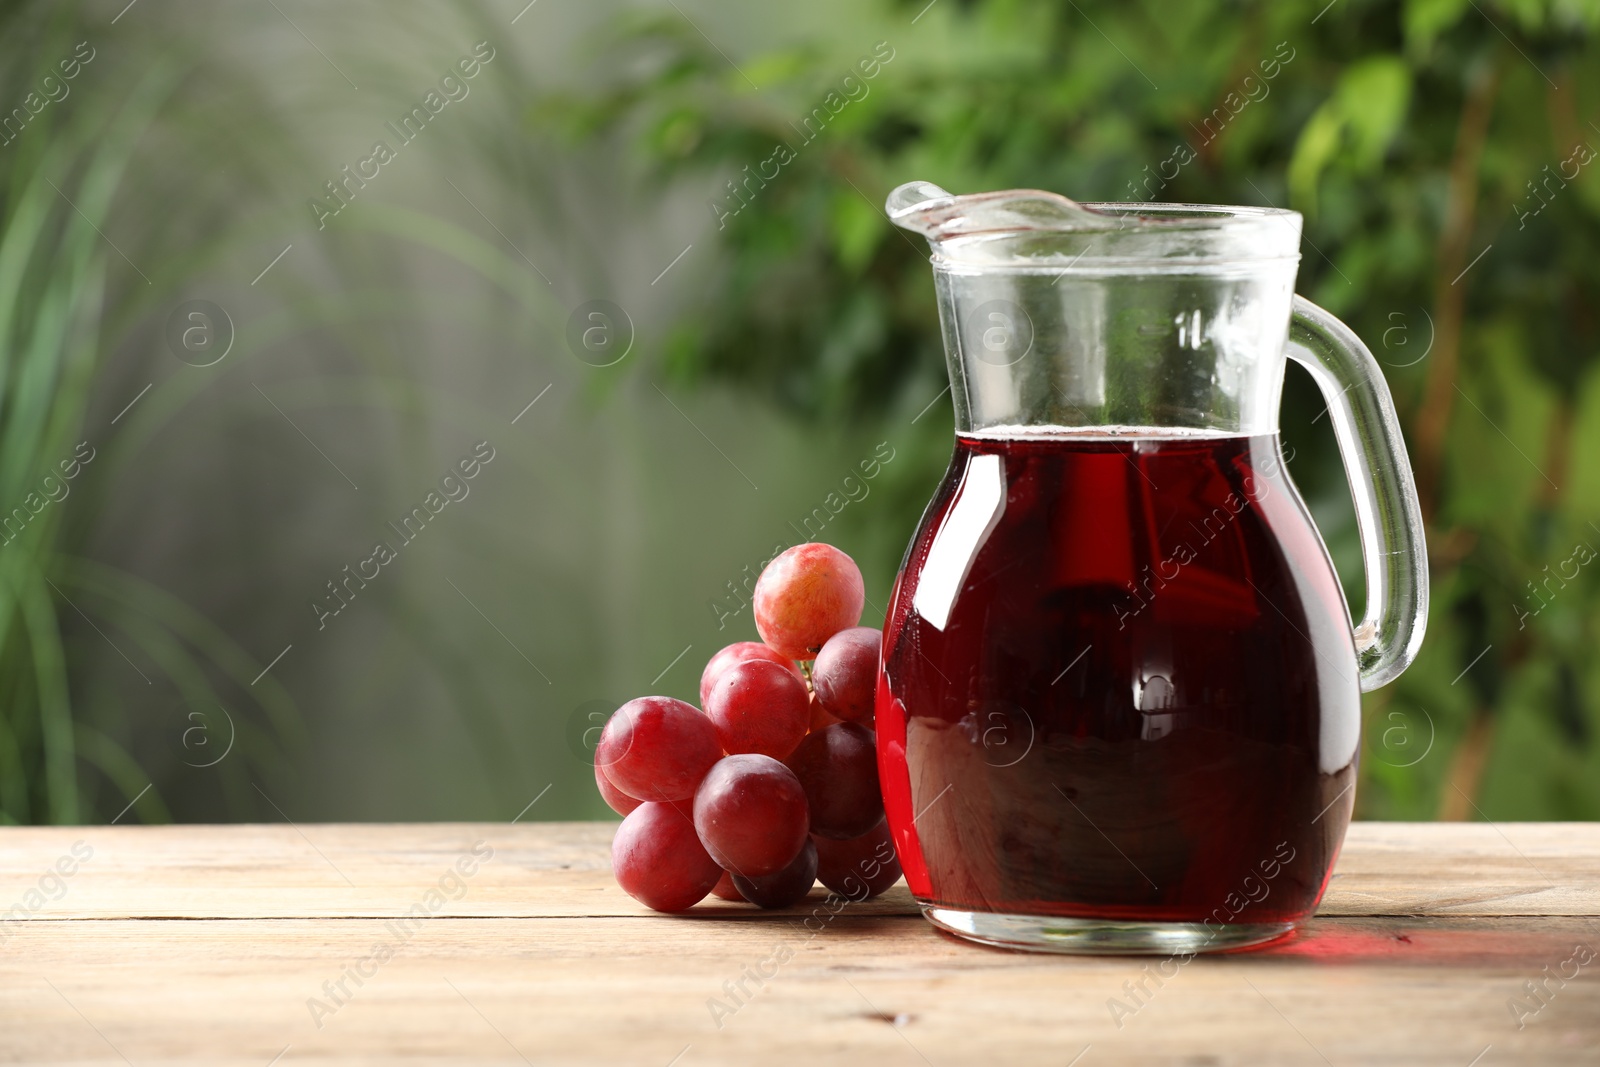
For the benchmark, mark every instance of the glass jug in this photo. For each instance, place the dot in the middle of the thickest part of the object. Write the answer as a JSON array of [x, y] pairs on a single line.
[[1120, 700]]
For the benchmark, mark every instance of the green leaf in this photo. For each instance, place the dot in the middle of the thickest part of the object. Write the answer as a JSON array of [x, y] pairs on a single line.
[[1355, 126], [775, 68], [1373, 96], [857, 227], [1317, 143], [1425, 21]]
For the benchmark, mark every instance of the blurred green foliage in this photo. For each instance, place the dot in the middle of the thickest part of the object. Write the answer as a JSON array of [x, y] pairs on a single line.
[[1438, 151], [63, 170], [1442, 152]]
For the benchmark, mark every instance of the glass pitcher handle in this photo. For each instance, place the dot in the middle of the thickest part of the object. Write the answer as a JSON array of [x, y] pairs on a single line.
[[1393, 547]]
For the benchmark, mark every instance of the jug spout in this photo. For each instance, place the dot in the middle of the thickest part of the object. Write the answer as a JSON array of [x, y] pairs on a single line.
[[939, 215], [909, 199], [1118, 317]]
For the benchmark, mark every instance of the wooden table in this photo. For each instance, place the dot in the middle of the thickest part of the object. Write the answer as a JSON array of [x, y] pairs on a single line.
[[228, 945]]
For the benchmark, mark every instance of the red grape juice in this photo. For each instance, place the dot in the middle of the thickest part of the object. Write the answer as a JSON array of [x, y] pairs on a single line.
[[1118, 683]]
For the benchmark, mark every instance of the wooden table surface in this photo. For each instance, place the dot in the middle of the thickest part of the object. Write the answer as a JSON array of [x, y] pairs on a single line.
[[228, 945]]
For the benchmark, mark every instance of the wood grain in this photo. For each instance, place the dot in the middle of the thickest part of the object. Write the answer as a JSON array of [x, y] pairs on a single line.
[[213, 944], [549, 869]]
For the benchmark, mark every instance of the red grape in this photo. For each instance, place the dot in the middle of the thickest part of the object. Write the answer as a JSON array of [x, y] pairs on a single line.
[[838, 768], [725, 889], [819, 715], [659, 861], [657, 748], [738, 652], [620, 802], [785, 887], [751, 814], [761, 707], [805, 596], [858, 867], [845, 675]]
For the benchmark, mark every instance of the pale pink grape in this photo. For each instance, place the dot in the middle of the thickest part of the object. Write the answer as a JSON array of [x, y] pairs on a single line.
[[805, 596]]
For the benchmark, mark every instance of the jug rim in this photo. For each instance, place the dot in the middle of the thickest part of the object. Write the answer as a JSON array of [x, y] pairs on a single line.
[[1035, 229]]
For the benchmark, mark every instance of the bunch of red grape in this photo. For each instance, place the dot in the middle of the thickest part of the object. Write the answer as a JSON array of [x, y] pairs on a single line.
[[775, 784]]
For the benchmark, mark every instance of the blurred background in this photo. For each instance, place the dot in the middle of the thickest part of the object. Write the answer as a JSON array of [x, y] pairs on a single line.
[[275, 274]]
